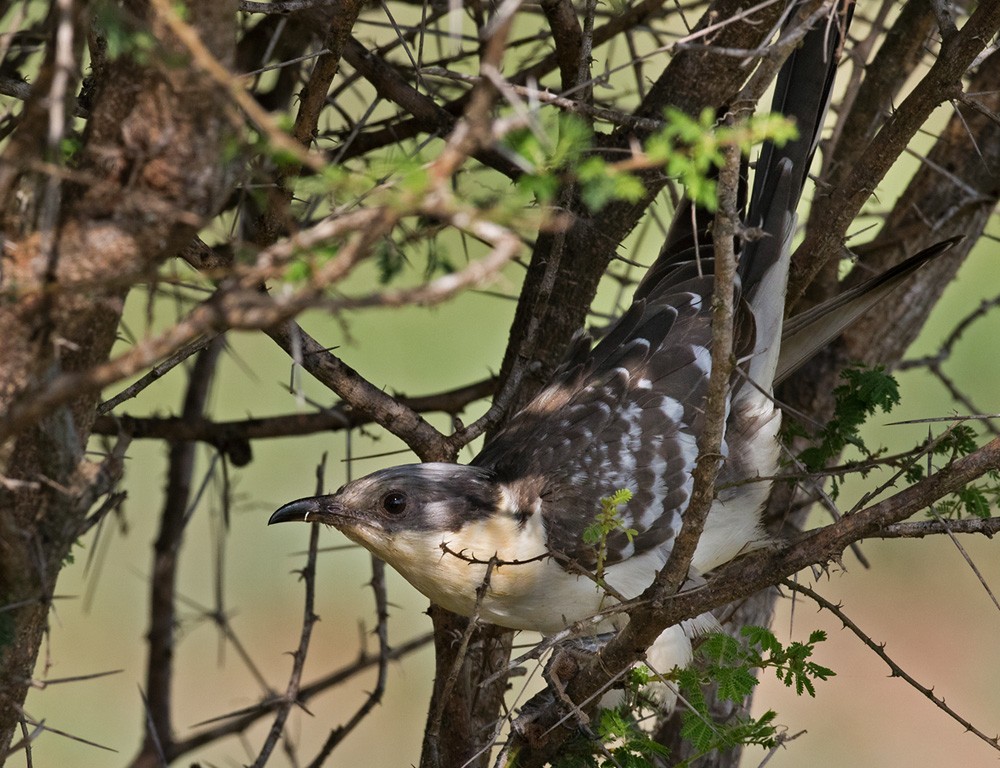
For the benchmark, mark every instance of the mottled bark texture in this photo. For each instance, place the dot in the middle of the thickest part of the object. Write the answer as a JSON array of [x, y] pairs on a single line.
[[149, 171]]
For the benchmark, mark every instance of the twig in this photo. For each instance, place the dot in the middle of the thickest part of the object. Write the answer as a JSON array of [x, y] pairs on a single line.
[[309, 619], [25, 742], [494, 561], [382, 408], [433, 736], [173, 520], [988, 527], [896, 671], [224, 434], [155, 373], [40, 725], [942, 81], [42, 684], [575, 106], [283, 7], [241, 720], [374, 697], [709, 460], [204, 59]]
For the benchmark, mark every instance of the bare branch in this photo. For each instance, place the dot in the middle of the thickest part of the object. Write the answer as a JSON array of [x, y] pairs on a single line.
[[942, 82], [309, 619], [229, 436], [706, 470], [238, 722], [382, 408], [896, 671], [987, 527]]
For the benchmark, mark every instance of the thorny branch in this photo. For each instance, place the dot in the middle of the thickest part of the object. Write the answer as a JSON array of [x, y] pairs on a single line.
[[709, 461], [302, 42], [244, 307], [944, 80], [746, 576], [238, 722], [163, 604], [896, 671], [309, 619], [232, 435], [374, 697], [988, 527]]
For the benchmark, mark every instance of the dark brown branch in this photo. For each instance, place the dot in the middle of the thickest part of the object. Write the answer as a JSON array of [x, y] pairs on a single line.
[[402, 421], [987, 527], [374, 697], [275, 218], [432, 749], [173, 520], [239, 722], [226, 434], [565, 27], [309, 620], [941, 83], [935, 205], [411, 127], [709, 461], [744, 577], [282, 7], [430, 117], [154, 374]]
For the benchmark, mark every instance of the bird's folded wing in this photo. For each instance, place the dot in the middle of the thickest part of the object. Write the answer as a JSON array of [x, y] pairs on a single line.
[[626, 416]]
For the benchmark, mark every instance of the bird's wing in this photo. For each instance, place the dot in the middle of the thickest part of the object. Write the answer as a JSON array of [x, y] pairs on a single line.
[[626, 417]]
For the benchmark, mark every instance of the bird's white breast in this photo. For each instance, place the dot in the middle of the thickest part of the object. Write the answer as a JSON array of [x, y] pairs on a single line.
[[529, 589], [525, 582]]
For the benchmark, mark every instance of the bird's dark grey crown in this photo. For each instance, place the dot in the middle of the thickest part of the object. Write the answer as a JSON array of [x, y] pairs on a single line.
[[470, 491]]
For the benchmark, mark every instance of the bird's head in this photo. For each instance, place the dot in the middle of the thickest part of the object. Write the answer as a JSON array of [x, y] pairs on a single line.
[[413, 501]]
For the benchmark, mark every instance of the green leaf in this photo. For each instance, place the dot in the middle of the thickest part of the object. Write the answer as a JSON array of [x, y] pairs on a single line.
[[864, 391], [607, 522], [543, 187], [959, 440], [975, 502], [390, 260]]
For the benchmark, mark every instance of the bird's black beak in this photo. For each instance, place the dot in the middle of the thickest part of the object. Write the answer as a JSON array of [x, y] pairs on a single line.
[[308, 510]]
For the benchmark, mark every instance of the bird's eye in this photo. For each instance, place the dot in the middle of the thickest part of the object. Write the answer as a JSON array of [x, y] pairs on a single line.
[[394, 502]]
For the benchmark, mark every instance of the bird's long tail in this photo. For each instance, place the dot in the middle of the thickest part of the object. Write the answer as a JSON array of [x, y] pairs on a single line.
[[802, 93]]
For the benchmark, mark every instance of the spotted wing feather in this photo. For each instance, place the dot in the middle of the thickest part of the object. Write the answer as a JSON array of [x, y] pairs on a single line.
[[625, 416]]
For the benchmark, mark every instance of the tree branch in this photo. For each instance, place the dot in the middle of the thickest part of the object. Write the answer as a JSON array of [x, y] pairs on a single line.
[[742, 578], [942, 82], [895, 670]]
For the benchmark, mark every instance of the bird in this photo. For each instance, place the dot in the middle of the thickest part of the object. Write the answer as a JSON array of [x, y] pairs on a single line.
[[504, 537]]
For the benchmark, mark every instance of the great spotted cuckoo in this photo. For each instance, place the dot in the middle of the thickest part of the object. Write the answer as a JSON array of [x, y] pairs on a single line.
[[625, 414]]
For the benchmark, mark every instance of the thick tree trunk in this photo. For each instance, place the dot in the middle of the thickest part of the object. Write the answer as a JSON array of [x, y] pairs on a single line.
[[149, 172]]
